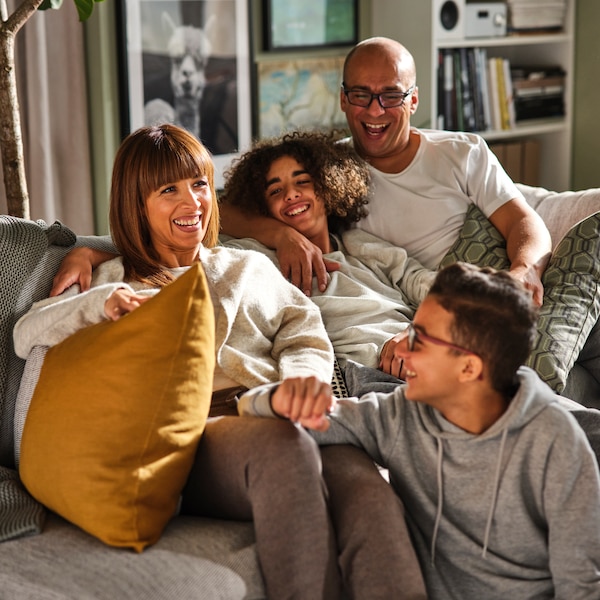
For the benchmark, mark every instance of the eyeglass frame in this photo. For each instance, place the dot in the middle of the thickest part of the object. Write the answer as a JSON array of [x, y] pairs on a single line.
[[404, 95], [413, 335]]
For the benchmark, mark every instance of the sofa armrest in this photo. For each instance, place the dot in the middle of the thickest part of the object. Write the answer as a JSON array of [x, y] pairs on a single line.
[[561, 210]]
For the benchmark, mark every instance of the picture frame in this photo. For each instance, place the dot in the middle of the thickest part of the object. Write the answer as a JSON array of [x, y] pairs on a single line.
[[207, 89], [294, 24], [302, 93]]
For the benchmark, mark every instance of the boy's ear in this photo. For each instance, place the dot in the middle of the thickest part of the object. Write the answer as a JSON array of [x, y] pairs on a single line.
[[472, 368]]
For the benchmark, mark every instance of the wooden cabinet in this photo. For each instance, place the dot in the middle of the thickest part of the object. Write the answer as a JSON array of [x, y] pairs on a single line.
[[415, 24]]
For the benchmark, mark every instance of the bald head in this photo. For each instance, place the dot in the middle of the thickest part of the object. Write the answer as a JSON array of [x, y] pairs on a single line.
[[382, 50]]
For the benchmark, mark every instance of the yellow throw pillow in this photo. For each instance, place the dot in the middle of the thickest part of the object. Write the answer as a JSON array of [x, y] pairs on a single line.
[[117, 413]]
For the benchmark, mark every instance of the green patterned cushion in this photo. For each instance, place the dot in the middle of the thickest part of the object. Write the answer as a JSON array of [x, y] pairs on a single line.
[[478, 243], [571, 300]]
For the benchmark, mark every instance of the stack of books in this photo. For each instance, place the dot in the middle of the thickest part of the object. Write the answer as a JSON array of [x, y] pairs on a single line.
[[481, 93], [535, 16], [538, 92]]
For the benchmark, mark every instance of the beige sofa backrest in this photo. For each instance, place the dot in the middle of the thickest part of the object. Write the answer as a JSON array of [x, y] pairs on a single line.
[[561, 210]]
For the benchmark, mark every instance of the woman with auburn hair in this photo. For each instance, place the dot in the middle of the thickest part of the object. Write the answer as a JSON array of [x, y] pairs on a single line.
[[150, 158], [164, 217]]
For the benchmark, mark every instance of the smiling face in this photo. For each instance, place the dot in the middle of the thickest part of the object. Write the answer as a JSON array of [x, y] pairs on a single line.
[[178, 215], [433, 371], [380, 134], [291, 199]]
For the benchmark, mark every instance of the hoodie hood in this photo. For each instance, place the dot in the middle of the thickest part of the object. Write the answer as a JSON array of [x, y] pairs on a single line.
[[532, 397]]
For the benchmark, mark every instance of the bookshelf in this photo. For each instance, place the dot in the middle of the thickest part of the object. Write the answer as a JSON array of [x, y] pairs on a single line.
[[413, 23]]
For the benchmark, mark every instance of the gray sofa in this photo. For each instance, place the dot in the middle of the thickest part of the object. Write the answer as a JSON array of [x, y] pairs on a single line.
[[44, 557]]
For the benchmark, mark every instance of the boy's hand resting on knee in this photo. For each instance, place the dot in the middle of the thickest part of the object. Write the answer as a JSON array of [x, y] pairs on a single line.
[[304, 400]]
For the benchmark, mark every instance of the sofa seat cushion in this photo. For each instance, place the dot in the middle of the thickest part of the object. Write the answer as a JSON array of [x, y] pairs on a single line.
[[571, 284], [114, 422], [195, 558]]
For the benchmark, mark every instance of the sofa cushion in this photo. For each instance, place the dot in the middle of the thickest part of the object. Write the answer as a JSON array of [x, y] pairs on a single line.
[[571, 301], [195, 558], [116, 415]]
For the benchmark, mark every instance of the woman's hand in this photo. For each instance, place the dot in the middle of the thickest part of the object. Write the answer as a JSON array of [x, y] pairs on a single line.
[[304, 400], [121, 302]]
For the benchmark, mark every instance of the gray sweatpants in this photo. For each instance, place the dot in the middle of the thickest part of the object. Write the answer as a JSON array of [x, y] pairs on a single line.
[[269, 471]]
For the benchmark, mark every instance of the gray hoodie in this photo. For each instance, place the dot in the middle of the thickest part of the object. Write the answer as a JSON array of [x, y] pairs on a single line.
[[511, 513]]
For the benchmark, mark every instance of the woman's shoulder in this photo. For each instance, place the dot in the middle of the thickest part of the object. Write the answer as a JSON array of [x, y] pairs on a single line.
[[226, 255]]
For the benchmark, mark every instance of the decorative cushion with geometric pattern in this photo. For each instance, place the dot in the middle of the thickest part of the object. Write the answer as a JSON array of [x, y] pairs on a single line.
[[478, 243], [571, 304]]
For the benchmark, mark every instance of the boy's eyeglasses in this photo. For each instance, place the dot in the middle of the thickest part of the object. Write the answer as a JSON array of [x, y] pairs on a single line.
[[385, 99], [412, 335]]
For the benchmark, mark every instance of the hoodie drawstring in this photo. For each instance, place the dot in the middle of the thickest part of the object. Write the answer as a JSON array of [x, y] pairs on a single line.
[[440, 502], [488, 527]]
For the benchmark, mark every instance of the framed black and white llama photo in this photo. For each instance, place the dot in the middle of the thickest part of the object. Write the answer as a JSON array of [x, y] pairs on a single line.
[[188, 62]]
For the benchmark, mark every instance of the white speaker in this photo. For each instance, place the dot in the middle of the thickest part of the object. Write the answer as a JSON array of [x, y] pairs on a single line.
[[449, 19]]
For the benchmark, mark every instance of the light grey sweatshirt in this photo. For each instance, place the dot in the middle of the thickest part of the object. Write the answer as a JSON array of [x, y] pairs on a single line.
[[512, 513], [372, 296], [265, 328]]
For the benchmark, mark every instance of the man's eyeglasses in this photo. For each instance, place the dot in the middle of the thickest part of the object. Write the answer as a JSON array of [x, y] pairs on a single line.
[[385, 99], [412, 336]]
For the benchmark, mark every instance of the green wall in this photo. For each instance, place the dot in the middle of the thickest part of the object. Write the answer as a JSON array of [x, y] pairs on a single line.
[[103, 92], [586, 126]]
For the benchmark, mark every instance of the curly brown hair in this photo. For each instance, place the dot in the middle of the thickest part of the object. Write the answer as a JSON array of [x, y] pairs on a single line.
[[341, 178]]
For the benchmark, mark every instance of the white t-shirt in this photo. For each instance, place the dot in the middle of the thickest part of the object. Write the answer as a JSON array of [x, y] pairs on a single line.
[[422, 209]]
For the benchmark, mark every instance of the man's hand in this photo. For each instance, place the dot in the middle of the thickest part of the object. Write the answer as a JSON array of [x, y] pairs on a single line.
[[304, 400], [528, 244], [121, 302], [530, 278], [299, 259], [76, 267], [388, 361]]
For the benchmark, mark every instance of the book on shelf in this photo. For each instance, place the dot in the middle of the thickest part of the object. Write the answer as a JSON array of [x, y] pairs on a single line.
[[458, 92], [502, 95], [447, 105], [480, 119], [483, 83], [494, 95], [468, 91], [508, 90]]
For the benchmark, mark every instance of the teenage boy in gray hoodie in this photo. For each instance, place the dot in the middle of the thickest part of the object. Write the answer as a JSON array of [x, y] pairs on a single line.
[[500, 485]]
